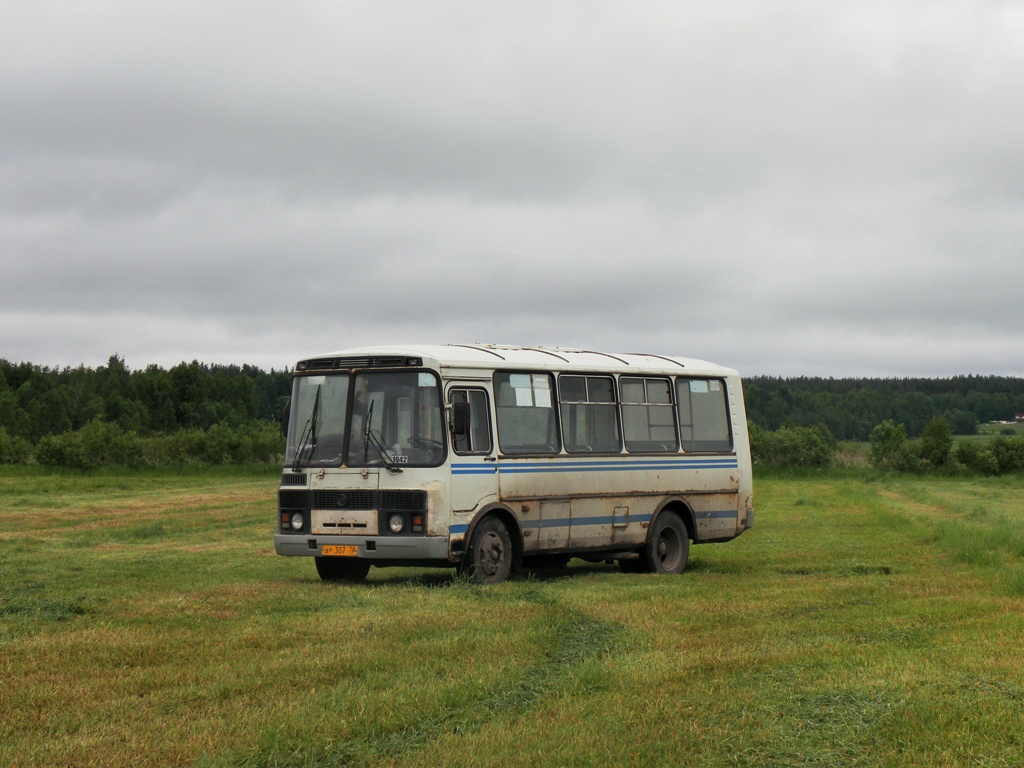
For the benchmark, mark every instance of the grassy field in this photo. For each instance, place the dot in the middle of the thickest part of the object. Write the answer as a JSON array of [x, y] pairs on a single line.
[[991, 429], [865, 621]]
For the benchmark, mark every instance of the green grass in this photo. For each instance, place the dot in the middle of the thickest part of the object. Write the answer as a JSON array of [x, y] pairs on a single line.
[[993, 428], [867, 620]]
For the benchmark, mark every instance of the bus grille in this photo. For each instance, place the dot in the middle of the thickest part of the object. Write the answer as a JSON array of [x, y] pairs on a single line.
[[402, 501], [345, 363]]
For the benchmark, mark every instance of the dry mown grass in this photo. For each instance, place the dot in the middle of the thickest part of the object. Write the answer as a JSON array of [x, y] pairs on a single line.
[[864, 621]]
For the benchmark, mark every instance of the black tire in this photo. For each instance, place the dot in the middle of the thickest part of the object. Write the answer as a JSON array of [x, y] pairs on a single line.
[[491, 557], [341, 568], [668, 546]]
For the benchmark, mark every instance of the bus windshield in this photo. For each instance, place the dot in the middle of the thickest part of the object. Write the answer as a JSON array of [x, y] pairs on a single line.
[[395, 420], [316, 429]]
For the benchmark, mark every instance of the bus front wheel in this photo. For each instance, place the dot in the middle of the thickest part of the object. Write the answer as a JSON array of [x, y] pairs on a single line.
[[341, 568], [668, 546], [491, 556]]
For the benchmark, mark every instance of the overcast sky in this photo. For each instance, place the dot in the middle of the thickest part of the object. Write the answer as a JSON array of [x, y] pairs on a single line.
[[786, 188]]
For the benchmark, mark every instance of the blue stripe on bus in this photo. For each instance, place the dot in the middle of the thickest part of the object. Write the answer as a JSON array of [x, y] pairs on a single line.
[[640, 465], [567, 522]]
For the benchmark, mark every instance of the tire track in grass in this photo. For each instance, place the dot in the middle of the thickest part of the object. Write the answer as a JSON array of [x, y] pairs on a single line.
[[581, 639], [975, 535]]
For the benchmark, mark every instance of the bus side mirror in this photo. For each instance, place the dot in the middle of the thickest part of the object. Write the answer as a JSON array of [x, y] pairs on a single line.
[[286, 411], [460, 418]]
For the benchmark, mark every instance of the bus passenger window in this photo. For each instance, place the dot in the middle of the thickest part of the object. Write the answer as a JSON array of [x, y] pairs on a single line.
[[703, 415], [648, 421], [477, 438], [526, 413], [590, 421]]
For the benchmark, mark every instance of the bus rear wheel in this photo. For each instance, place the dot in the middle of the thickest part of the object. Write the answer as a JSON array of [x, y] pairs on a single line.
[[668, 546], [341, 568], [491, 556]]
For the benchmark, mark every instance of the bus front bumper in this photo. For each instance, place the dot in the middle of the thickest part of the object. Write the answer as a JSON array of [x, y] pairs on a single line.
[[405, 548]]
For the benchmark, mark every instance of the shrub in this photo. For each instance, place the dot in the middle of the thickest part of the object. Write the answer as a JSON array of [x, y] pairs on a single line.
[[14, 449], [936, 443], [998, 456], [107, 444], [63, 450], [966, 453], [97, 444], [792, 446], [220, 444], [267, 444], [987, 462], [1009, 453], [889, 445]]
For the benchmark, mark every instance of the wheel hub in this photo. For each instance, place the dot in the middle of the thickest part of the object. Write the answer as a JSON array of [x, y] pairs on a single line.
[[491, 554]]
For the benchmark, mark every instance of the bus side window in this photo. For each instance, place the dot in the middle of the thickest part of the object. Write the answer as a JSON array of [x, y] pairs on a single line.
[[590, 419], [525, 410], [648, 420], [477, 437], [703, 415]]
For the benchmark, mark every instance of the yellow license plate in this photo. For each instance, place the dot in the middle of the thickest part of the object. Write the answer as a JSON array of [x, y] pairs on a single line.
[[339, 550]]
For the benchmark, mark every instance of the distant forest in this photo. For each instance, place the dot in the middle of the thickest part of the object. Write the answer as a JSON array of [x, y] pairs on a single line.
[[36, 402], [851, 408]]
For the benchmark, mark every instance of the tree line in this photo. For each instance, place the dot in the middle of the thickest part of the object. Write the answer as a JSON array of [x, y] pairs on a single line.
[[82, 416], [85, 416], [851, 408], [36, 401], [889, 449]]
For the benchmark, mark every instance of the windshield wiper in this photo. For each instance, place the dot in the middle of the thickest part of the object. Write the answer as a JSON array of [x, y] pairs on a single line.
[[371, 438], [308, 436]]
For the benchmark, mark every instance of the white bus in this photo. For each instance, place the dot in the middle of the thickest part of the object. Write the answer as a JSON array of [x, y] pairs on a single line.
[[487, 458]]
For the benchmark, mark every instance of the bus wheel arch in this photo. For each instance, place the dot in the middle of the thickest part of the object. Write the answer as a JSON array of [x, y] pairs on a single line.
[[667, 549], [682, 509], [494, 548]]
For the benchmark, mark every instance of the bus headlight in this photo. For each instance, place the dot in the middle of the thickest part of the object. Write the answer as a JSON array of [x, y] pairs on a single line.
[[396, 523], [297, 521]]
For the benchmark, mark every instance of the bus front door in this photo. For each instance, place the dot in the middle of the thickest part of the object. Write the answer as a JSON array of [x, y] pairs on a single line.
[[474, 479]]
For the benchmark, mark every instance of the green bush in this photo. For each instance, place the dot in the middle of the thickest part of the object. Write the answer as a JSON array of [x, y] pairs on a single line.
[[267, 444], [792, 446], [220, 444], [14, 449], [1009, 453], [890, 448], [987, 462], [889, 445], [936, 443], [998, 456], [966, 453], [64, 450], [97, 444], [104, 444]]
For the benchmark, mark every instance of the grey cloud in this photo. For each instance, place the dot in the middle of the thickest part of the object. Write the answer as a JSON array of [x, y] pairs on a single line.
[[298, 150], [790, 188]]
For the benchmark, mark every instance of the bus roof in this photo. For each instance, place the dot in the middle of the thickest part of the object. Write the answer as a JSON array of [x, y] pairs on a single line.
[[497, 356]]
